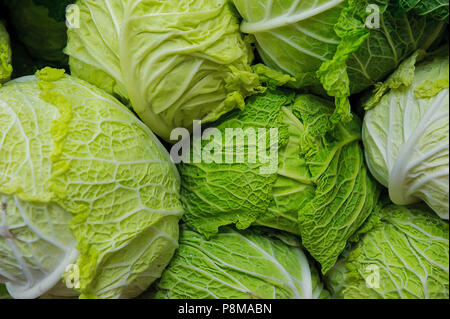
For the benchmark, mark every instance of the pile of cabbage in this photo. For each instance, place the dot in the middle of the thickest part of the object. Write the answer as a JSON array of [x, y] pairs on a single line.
[[338, 184]]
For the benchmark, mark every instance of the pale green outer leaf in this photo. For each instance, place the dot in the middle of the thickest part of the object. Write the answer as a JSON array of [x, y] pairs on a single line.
[[406, 134], [406, 255], [44, 37], [294, 186], [327, 47], [321, 190], [5, 55], [175, 61], [239, 265], [81, 181]]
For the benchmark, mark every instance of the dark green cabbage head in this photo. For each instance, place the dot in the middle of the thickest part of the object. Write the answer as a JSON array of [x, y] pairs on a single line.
[[173, 61]]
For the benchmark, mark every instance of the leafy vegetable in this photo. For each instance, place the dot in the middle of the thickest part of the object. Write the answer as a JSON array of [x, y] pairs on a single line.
[[274, 184], [404, 256], [86, 191], [326, 44], [437, 9], [239, 265], [5, 55], [24, 64], [406, 133], [40, 25], [176, 61], [321, 189]]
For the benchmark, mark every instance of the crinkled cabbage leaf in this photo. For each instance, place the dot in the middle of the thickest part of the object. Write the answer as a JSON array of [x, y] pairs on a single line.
[[405, 255], [24, 64], [406, 133], [175, 61], [250, 264], [337, 45], [41, 26], [87, 192], [320, 187]]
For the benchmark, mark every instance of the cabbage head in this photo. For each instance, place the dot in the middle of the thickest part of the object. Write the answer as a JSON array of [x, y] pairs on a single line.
[[326, 45], [5, 55], [404, 256], [320, 187], [87, 192], [406, 133], [41, 26], [175, 61], [3, 292], [249, 264]]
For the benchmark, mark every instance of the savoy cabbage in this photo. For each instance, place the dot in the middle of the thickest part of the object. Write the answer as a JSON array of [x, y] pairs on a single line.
[[5, 55], [405, 255], [406, 133]]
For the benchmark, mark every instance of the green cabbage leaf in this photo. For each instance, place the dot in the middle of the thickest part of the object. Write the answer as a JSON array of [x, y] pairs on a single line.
[[88, 195], [5, 55], [335, 46], [174, 61], [3, 292], [404, 256], [248, 264], [438, 9], [41, 26], [406, 133], [320, 187]]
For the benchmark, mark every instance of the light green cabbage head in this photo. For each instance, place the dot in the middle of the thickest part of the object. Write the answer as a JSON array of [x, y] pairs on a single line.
[[320, 187], [175, 61], [405, 255], [41, 26], [326, 45], [250, 264], [87, 192], [437, 9], [5, 55], [406, 133]]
